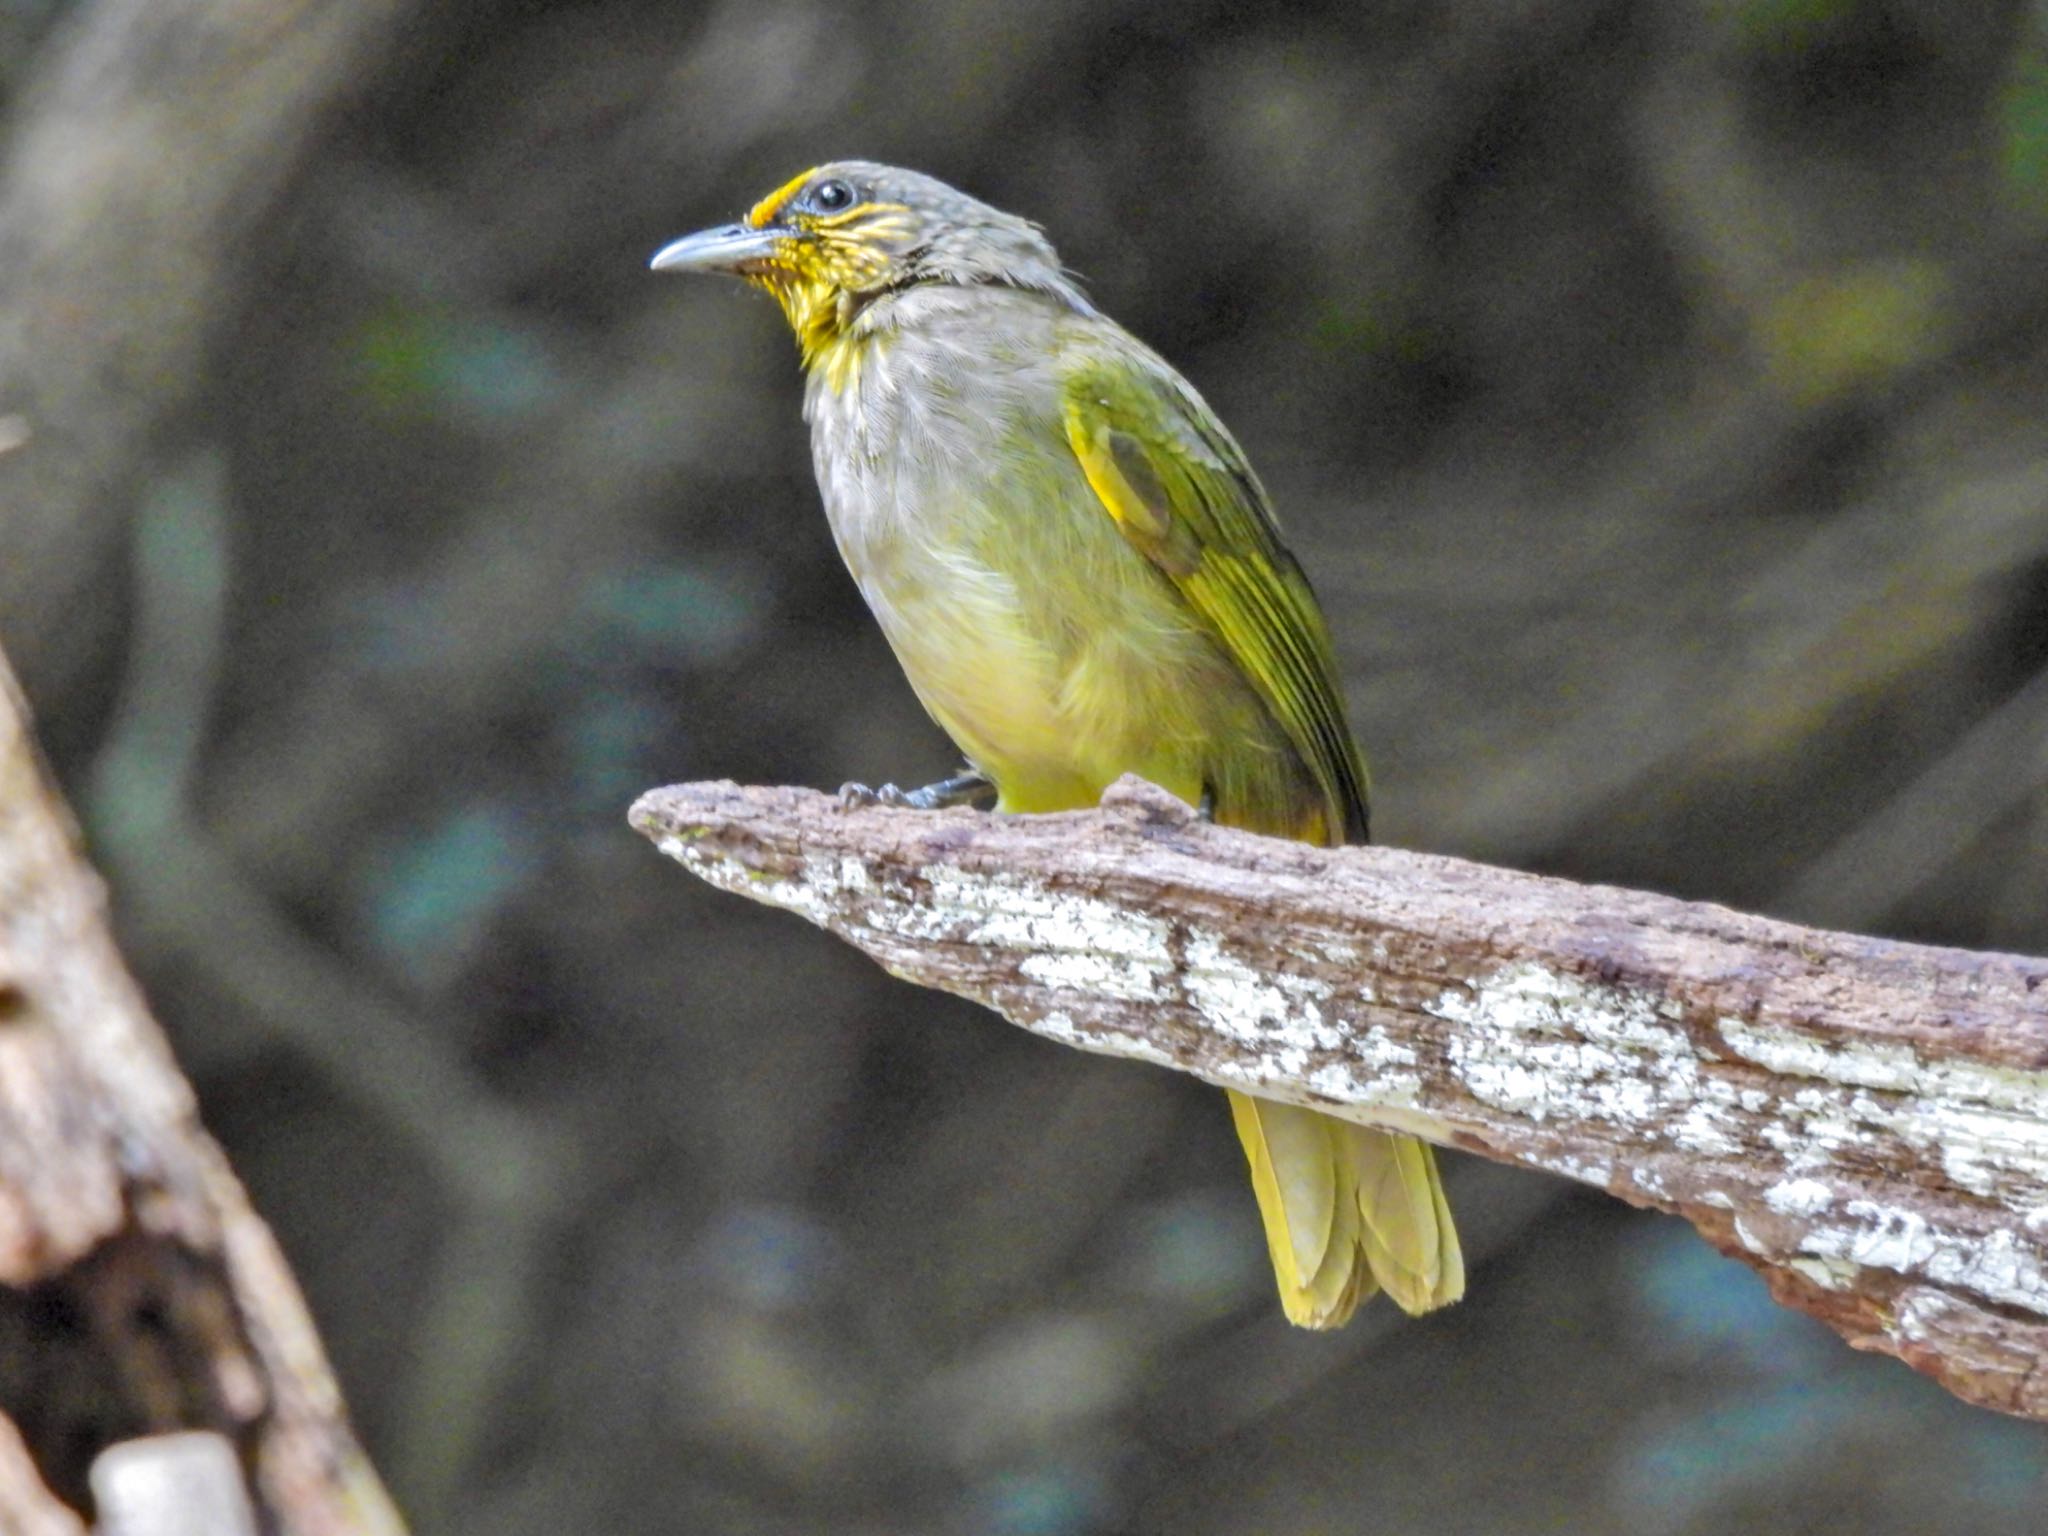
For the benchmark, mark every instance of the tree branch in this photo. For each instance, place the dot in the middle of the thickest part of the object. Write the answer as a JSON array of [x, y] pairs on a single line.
[[1865, 1122], [139, 1293]]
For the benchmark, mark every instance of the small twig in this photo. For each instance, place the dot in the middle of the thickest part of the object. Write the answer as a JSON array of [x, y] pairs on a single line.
[[1865, 1122], [171, 1485]]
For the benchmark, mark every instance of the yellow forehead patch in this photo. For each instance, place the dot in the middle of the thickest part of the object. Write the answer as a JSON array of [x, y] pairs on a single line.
[[765, 210]]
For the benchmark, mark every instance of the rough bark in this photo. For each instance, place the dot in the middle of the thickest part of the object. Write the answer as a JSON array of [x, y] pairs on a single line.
[[139, 1293], [1865, 1122]]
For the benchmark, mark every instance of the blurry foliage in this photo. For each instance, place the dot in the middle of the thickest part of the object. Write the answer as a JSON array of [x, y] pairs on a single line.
[[1854, 327], [1655, 394], [437, 362], [2025, 123], [1789, 26]]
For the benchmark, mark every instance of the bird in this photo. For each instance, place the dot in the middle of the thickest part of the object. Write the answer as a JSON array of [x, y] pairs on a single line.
[[1081, 577]]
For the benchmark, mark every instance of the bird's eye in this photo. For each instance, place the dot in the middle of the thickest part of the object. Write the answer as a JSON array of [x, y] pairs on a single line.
[[831, 196]]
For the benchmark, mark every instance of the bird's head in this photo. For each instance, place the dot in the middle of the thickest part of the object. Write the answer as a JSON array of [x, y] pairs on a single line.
[[831, 241]]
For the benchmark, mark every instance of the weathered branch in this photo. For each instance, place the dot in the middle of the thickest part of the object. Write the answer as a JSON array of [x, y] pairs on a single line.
[[1866, 1122], [139, 1293]]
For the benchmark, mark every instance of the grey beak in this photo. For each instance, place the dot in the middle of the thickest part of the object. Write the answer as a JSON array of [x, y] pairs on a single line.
[[726, 249]]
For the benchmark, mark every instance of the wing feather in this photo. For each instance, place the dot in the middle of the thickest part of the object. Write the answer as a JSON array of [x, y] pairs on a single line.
[[1172, 479]]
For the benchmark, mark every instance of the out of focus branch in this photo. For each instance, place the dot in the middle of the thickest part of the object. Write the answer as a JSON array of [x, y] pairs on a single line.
[[1865, 1122], [139, 1293], [156, 134]]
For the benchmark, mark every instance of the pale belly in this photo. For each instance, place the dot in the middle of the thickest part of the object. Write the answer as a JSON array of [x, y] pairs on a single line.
[[1010, 696], [1051, 651], [1055, 700]]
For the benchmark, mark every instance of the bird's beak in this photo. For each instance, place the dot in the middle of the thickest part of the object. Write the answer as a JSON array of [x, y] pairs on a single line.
[[729, 248]]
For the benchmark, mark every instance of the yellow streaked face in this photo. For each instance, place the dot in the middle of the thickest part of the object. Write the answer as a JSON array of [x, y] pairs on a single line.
[[819, 243], [833, 234]]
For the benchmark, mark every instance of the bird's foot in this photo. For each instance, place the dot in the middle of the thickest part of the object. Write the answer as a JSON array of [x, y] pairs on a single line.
[[966, 788], [854, 796]]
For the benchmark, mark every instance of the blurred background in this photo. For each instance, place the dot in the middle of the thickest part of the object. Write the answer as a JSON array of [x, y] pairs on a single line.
[[1654, 391]]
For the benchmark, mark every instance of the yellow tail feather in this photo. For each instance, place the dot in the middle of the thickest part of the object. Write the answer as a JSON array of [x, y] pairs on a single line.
[[1347, 1211]]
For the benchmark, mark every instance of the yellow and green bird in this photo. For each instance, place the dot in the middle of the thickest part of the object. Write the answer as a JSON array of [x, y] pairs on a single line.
[[1082, 578]]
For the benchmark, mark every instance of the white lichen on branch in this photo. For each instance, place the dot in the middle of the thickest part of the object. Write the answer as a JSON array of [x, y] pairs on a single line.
[[1866, 1122]]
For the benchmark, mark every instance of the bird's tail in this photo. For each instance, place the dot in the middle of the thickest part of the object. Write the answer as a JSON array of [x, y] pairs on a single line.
[[1348, 1211]]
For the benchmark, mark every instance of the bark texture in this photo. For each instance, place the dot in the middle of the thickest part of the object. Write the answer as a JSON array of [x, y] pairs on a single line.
[[139, 1293], [1865, 1122]]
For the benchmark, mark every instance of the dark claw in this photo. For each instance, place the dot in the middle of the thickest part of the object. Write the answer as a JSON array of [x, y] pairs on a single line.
[[965, 788], [853, 797]]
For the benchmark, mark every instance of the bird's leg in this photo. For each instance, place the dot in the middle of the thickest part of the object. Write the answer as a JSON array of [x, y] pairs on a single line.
[[970, 786], [1206, 809]]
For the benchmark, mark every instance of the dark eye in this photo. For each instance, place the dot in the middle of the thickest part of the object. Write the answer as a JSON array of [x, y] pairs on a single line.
[[831, 196]]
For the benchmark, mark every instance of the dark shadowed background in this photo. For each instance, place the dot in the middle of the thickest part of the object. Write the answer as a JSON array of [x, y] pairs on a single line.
[[1655, 391]]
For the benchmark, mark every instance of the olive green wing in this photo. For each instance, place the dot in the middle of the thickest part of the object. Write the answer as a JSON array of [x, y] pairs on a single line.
[[1178, 486]]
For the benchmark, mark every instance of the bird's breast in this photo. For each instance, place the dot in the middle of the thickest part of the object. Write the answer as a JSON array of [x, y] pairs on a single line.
[[1050, 650], [933, 538]]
